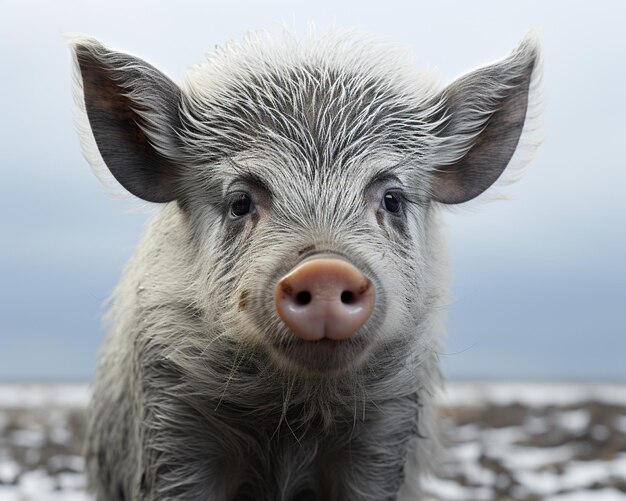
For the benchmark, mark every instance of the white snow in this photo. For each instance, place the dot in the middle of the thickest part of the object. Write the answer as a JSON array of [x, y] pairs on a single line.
[[41, 395], [28, 438], [8, 493], [582, 473], [451, 491], [9, 470], [525, 458], [541, 482], [458, 393], [498, 436], [574, 421], [590, 495], [38, 486], [577, 476], [618, 466], [468, 451]]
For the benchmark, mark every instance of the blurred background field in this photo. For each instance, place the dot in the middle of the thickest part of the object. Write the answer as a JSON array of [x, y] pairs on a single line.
[[539, 279], [506, 441]]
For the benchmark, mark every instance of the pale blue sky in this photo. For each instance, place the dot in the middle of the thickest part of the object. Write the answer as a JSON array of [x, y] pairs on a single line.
[[539, 279]]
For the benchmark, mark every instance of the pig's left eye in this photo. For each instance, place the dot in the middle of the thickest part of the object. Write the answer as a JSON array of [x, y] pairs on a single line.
[[240, 205], [392, 202]]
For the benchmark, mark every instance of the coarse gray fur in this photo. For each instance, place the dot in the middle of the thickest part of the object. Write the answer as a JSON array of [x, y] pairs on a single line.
[[201, 392]]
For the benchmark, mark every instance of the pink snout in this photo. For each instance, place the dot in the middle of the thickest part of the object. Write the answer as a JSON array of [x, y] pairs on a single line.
[[324, 298]]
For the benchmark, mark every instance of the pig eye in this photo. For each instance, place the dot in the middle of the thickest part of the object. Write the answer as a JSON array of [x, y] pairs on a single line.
[[241, 205], [391, 202]]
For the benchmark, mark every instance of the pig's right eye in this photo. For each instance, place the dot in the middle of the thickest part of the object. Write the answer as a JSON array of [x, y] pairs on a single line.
[[240, 205]]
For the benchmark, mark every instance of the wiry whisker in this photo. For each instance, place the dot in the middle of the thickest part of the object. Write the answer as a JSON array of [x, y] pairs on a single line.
[[236, 360]]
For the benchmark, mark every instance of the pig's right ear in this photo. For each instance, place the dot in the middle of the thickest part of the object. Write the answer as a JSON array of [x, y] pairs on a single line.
[[132, 110]]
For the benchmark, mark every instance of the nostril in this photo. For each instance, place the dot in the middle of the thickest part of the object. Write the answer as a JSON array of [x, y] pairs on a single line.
[[303, 298], [348, 297]]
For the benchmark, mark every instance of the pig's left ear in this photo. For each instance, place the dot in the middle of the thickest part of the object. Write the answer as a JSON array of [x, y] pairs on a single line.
[[481, 116], [133, 114]]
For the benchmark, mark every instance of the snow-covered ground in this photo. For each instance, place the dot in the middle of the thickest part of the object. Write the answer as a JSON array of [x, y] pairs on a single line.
[[41, 428], [507, 441], [533, 441]]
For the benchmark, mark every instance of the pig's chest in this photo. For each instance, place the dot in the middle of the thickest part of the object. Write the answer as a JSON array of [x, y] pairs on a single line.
[[312, 470], [289, 463]]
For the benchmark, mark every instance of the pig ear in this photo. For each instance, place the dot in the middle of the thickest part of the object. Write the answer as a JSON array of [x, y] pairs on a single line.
[[481, 117], [132, 110]]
